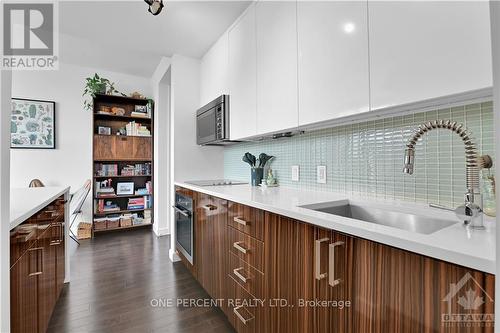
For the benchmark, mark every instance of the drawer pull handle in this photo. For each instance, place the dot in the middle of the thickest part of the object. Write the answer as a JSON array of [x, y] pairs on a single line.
[[240, 317], [240, 276], [331, 266], [317, 262], [209, 207], [237, 246], [38, 260], [240, 221]]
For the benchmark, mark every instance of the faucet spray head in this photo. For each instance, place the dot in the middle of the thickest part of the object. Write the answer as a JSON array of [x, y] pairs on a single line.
[[409, 161]]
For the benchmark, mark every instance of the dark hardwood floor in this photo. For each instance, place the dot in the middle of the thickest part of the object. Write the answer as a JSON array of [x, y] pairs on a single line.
[[115, 276]]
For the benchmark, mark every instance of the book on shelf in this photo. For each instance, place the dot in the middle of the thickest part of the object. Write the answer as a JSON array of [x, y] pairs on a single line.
[[106, 207], [138, 169], [135, 203], [105, 170], [139, 114], [136, 129]]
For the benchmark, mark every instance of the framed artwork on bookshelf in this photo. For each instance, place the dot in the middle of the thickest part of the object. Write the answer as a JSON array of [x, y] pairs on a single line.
[[125, 188], [33, 124]]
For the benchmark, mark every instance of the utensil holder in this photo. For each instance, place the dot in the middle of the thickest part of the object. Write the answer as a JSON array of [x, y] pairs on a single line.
[[257, 175]]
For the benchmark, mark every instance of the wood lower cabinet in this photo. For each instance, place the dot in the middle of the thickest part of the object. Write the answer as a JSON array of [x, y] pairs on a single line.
[[398, 291], [296, 277], [289, 279], [37, 269], [211, 214], [24, 292], [47, 279]]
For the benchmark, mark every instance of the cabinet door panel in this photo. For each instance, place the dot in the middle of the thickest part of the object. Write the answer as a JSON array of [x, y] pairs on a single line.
[[289, 273], [334, 253], [124, 147], [277, 108], [398, 291], [104, 147], [212, 213], [141, 148], [60, 256], [332, 60], [427, 49], [243, 77], [24, 292], [47, 278]]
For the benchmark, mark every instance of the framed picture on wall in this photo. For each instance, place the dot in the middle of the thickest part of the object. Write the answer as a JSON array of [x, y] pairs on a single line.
[[32, 124]]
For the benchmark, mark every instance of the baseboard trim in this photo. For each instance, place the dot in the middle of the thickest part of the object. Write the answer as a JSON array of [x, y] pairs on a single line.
[[161, 232], [173, 256]]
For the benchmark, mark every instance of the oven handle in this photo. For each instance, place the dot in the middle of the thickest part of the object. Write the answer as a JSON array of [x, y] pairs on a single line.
[[182, 211]]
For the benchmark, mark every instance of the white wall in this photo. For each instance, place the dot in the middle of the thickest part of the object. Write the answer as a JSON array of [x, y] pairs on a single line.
[[71, 162], [5, 93], [160, 83], [190, 160]]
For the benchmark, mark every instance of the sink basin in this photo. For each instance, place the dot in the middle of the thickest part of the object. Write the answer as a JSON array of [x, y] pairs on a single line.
[[409, 222]]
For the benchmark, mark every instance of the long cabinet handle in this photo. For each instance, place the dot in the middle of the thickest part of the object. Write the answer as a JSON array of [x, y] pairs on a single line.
[[240, 221], [240, 276], [317, 262], [38, 260], [209, 207], [237, 246], [332, 281], [240, 317]]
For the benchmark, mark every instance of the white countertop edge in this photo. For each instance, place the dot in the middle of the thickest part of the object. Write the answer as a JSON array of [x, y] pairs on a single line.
[[362, 230], [45, 199]]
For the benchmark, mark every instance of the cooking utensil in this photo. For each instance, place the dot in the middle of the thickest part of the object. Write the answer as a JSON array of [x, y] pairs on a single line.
[[263, 159], [250, 159]]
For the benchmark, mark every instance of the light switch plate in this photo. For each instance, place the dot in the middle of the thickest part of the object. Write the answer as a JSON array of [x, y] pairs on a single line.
[[295, 173], [321, 174]]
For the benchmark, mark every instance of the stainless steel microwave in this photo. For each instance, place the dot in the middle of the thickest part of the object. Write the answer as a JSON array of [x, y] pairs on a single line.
[[212, 123]]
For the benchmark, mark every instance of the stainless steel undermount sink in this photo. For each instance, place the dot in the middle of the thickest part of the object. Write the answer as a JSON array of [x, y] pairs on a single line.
[[409, 222]]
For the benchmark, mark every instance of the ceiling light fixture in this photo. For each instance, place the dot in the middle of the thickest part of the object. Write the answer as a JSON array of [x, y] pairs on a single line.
[[155, 6]]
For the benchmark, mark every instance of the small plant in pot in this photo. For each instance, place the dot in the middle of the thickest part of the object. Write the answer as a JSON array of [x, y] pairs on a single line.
[[97, 85]]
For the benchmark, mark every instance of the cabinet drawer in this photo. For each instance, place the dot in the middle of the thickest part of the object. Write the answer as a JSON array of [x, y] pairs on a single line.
[[246, 276], [246, 248], [247, 219], [22, 238], [244, 311]]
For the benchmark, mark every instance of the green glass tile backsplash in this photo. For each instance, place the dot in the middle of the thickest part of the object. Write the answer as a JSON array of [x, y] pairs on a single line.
[[367, 158]]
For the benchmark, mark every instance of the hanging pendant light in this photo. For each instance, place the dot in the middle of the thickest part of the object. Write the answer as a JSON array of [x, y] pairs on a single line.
[[155, 6]]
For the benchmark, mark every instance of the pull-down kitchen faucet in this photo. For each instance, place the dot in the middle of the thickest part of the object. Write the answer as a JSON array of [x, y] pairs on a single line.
[[471, 212]]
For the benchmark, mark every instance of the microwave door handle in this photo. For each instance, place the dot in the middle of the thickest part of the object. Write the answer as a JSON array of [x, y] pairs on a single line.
[[182, 211]]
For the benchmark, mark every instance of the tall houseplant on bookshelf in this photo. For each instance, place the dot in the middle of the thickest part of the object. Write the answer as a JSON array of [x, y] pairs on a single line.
[[97, 85]]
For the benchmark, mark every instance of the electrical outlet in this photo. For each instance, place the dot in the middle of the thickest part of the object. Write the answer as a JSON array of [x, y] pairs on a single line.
[[321, 174], [295, 173]]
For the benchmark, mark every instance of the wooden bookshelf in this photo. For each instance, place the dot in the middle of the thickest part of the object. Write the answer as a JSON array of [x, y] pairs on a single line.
[[121, 150]]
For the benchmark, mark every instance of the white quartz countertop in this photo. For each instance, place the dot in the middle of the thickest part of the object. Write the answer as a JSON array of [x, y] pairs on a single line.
[[25, 202], [455, 243]]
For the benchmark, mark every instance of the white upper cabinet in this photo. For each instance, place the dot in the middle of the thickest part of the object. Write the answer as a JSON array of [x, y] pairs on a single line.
[[277, 107], [333, 60], [214, 71], [427, 49], [242, 77]]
